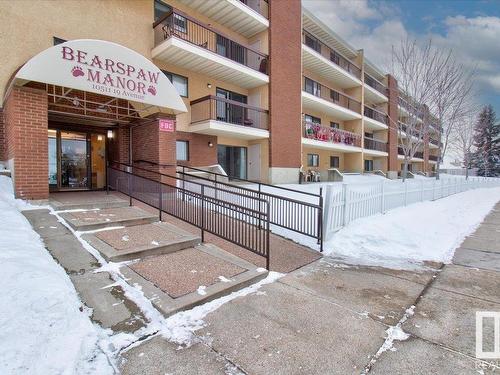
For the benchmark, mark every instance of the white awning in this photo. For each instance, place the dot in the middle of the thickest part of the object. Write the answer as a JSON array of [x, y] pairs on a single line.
[[103, 68]]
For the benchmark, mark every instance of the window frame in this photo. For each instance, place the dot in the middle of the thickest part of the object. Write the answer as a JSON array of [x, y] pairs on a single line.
[[170, 77], [311, 158], [186, 143], [332, 158]]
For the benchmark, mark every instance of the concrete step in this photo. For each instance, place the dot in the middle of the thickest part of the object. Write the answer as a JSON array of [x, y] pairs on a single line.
[[140, 241], [191, 277], [85, 200], [86, 220]]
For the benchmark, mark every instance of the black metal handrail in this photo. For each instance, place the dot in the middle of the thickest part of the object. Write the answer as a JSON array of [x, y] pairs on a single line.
[[180, 25], [229, 111], [321, 91], [246, 225], [331, 54], [372, 82], [376, 115], [302, 214], [374, 144]]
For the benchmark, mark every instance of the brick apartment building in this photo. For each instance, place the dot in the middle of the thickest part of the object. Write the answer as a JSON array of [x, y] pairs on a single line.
[[262, 88]]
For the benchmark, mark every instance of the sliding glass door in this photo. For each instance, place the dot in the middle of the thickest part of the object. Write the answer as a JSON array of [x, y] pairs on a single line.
[[233, 160]]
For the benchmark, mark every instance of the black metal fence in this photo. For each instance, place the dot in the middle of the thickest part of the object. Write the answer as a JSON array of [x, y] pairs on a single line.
[[291, 209], [238, 218]]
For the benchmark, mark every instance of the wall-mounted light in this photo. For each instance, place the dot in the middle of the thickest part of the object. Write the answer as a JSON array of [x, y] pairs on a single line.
[[110, 134], [99, 137], [209, 85], [210, 144]]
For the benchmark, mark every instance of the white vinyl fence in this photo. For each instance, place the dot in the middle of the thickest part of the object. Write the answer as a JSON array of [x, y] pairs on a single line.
[[349, 202]]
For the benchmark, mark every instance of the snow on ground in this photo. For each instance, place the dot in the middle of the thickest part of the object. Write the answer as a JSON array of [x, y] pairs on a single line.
[[407, 236], [43, 330]]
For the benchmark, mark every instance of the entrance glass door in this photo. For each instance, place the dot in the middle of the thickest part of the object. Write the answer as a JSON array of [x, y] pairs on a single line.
[[233, 160], [77, 160], [74, 155]]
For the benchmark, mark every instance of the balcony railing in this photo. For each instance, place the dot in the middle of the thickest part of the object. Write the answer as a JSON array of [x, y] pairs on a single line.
[[376, 115], [229, 111], [260, 6], [330, 54], [374, 144], [403, 127], [418, 154], [372, 82], [317, 89], [433, 157], [434, 142], [331, 135], [180, 25]]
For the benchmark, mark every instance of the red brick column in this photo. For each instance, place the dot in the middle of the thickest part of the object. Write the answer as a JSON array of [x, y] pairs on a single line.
[[285, 102], [392, 85], [26, 146], [151, 144], [426, 152]]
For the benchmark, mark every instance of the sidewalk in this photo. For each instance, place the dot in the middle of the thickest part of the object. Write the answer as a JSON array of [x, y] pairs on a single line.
[[332, 318]]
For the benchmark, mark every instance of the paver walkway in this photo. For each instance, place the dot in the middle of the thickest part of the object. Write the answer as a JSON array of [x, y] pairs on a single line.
[[330, 318]]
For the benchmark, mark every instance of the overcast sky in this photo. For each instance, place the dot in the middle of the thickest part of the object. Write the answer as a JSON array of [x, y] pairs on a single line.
[[471, 28]]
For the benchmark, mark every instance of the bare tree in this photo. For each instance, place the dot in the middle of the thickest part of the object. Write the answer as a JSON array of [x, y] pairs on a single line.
[[462, 138], [452, 86], [414, 68]]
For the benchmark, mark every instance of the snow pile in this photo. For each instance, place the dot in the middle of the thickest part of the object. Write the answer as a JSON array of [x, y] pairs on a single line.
[[406, 236], [45, 330]]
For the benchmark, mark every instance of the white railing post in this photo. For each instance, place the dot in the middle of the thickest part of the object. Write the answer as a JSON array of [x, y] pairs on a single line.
[[344, 192], [327, 212]]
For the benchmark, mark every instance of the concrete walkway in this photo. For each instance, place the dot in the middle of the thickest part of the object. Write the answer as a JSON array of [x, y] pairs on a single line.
[[331, 318]]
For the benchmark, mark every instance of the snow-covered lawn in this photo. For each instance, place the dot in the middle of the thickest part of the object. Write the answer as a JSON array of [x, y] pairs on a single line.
[[407, 236], [44, 329]]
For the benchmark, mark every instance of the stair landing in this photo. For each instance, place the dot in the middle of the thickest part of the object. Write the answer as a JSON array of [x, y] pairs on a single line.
[[140, 241]]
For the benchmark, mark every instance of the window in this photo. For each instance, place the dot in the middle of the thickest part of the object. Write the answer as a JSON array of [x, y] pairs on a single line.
[[368, 165], [160, 9], [312, 42], [335, 96], [180, 83], [312, 119], [334, 162], [334, 125], [180, 23], [312, 160], [368, 135], [182, 150], [312, 87], [58, 40]]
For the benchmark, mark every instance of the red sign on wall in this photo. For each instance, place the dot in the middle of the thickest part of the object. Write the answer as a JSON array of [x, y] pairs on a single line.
[[166, 125]]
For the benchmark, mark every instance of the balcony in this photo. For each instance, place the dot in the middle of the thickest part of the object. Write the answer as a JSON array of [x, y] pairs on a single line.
[[375, 91], [324, 99], [375, 120], [183, 41], [433, 158], [212, 115], [328, 63], [404, 132], [318, 136], [375, 147], [417, 157], [247, 17]]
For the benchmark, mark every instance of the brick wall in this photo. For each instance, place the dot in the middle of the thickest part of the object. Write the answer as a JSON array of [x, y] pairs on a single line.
[[285, 103], [2, 136], [200, 154], [393, 123], [26, 143]]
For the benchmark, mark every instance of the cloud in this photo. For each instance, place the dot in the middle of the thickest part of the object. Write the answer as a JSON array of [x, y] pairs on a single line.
[[377, 26]]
